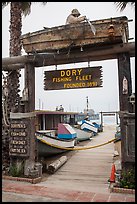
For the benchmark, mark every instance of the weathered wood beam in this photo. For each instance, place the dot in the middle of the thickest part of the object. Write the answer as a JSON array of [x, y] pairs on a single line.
[[12, 67], [15, 60], [30, 107], [88, 54], [18, 62]]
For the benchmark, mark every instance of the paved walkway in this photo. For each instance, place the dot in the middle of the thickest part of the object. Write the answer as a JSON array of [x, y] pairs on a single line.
[[83, 178]]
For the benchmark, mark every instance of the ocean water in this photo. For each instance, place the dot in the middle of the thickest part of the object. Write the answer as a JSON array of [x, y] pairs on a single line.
[[107, 120]]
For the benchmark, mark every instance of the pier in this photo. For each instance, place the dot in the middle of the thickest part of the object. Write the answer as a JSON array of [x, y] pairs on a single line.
[[84, 177]]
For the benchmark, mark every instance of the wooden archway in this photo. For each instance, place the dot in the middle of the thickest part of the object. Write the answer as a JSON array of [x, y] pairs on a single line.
[[115, 50]]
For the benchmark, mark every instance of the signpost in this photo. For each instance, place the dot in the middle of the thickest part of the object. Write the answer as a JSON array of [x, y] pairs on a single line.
[[88, 77], [19, 140]]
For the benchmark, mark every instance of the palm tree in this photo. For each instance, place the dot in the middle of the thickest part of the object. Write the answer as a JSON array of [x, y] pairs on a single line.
[[17, 9], [123, 5]]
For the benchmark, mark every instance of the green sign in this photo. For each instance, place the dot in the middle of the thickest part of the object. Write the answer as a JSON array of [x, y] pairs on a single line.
[[88, 77]]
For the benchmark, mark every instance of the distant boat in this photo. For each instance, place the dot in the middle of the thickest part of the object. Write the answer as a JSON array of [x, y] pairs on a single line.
[[99, 126], [82, 135], [89, 126]]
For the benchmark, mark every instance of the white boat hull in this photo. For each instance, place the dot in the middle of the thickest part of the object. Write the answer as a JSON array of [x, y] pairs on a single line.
[[88, 126], [48, 145], [82, 135]]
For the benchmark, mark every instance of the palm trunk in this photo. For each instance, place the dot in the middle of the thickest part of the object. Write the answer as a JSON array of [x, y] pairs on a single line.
[[15, 50], [13, 76], [15, 28]]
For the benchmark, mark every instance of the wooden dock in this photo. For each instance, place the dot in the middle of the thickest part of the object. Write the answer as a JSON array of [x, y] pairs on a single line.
[[86, 170]]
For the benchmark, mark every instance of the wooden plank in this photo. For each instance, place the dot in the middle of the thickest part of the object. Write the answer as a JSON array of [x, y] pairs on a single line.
[[108, 114], [91, 53], [22, 115], [30, 107], [57, 45]]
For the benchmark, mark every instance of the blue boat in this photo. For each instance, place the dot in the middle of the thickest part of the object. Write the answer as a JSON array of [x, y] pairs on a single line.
[[65, 131], [99, 126], [89, 126]]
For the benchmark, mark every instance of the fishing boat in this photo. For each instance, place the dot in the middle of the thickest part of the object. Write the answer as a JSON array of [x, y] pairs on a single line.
[[49, 143], [82, 135], [65, 131], [89, 127], [98, 125], [79, 35]]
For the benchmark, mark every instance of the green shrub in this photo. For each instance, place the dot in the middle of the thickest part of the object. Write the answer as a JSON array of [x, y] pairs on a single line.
[[127, 179], [16, 169]]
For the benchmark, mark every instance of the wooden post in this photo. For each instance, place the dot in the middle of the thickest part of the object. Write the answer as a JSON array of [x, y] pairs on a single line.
[[30, 107], [125, 90], [128, 140], [101, 118], [124, 73], [117, 118]]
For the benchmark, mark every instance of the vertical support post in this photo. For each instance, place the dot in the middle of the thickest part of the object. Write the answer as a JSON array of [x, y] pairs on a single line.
[[30, 84], [101, 119], [124, 72], [117, 118], [30, 107], [125, 90], [87, 105]]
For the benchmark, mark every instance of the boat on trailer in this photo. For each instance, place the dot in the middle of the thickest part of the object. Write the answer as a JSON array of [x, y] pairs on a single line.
[[79, 35]]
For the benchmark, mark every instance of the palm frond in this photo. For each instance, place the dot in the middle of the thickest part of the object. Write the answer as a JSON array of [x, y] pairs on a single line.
[[26, 8], [122, 5], [4, 4]]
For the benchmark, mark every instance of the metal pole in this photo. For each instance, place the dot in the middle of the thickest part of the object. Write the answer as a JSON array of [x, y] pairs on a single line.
[[87, 105]]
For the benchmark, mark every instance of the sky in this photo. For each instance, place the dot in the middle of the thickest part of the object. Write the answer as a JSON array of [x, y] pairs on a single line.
[[104, 98]]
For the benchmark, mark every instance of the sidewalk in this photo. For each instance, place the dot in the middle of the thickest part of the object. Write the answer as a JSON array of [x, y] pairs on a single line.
[[24, 192], [83, 178]]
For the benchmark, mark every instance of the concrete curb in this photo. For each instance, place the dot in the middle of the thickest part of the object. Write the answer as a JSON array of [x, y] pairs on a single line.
[[122, 190], [33, 181]]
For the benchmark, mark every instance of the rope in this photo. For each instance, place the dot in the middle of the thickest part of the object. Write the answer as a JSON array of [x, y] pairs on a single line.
[[76, 148], [4, 104], [5, 118]]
